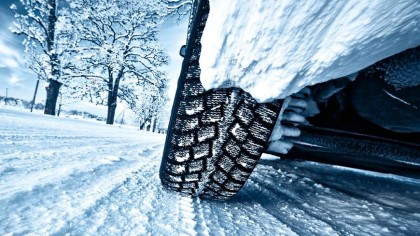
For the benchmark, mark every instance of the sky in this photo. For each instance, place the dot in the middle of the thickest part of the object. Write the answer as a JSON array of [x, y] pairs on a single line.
[[20, 81], [13, 73]]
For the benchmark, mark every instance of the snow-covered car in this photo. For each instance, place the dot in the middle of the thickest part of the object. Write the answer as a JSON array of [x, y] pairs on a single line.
[[329, 81]]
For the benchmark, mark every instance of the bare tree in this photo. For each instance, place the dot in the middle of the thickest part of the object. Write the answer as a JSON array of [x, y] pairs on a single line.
[[38, 22], [150, 111], [118, 50]]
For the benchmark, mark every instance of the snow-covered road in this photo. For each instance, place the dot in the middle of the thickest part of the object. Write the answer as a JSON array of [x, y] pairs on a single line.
[[61, 176]]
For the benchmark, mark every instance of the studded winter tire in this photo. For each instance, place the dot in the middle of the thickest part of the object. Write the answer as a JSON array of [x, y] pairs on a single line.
[[215, 137]]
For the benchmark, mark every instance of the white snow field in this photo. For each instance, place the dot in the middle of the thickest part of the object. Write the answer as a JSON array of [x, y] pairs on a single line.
[[273, 48], [71, 177]]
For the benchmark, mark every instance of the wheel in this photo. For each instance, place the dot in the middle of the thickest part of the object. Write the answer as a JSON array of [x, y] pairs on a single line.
[[216, 141], [216, 137]]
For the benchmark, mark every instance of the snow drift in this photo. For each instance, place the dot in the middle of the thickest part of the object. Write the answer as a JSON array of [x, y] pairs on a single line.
[[274, 48]]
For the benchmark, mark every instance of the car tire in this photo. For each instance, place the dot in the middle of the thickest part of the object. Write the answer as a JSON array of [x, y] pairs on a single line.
[[216, 137], [216, 141]]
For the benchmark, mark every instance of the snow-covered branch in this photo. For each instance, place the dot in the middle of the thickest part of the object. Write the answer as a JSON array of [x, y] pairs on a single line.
[[117, 53], [178, 7]]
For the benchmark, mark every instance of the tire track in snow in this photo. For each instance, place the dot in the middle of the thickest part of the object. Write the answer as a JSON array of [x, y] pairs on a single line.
[[37, 173], [60, 149], [47, 208], [201, 225], [14, 146], [213, 221], [187, 215], [374, 187], [287, 213], [107, 211], [333, 206], [30, 160], [298, 192], [242, 216], [138, 207]]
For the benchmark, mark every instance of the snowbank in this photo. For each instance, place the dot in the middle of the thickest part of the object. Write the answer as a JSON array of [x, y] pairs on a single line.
[[273, 48]]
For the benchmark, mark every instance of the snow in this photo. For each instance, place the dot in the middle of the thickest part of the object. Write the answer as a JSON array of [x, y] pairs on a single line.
[[274, 48], [74, 177]]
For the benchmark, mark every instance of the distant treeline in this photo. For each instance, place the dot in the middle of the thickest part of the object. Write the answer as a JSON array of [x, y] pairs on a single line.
[[17, 102], [84, 114]]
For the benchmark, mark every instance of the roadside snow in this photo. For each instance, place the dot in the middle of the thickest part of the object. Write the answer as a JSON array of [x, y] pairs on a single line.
[[274, 48], [71, 177]]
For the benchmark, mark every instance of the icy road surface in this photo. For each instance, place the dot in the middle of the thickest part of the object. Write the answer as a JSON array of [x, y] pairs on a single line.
[[60, 176]]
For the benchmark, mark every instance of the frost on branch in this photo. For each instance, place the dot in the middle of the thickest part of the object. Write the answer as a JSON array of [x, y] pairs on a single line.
[[102, 51], [118, 52], [178, 8], [150, 110], [39, 24]]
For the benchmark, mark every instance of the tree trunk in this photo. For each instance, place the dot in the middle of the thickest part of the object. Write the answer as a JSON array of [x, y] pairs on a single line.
[[145, 125], [52, 95], [59, 110], [112, 106], [113, 95], [142, 124], [54, 86], [148, 124], [154, 125], [36, 90]]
